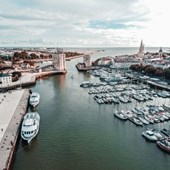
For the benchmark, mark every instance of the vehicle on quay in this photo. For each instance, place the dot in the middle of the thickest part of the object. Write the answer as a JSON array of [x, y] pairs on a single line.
[[34, 99], [30, 126]]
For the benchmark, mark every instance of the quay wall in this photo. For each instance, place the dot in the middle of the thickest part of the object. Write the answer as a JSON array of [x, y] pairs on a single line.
[[83, 69], [42, 74], [11, 134], [29, 79]]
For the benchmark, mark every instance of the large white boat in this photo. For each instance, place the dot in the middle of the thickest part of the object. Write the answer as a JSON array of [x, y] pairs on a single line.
[[34, 99], [30, 126]]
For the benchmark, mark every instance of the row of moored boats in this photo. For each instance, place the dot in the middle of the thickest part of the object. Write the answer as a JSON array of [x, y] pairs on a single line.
[[144, 115], [155, 136], [124, 94], [152, 135]]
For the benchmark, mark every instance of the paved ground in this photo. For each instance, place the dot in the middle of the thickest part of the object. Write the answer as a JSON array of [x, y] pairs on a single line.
[[12, 108]]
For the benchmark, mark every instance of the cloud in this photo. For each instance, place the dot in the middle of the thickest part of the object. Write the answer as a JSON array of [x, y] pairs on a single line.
[[83, 23]]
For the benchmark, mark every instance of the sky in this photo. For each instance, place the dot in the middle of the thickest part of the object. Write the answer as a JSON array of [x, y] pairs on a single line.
[[84, 23]]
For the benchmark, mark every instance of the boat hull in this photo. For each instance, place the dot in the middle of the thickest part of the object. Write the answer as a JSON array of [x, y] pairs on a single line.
[[163, 147], [136, 122], [149, 138], [28, 140], [30, 126], [121, 117]]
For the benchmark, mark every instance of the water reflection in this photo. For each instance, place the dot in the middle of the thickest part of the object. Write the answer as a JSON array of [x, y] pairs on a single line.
[[60, 81]]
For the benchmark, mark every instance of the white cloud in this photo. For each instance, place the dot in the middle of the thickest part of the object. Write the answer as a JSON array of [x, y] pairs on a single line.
[[67, 23]]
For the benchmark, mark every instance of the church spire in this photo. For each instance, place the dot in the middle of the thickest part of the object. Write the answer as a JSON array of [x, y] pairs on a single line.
[[141, 50]]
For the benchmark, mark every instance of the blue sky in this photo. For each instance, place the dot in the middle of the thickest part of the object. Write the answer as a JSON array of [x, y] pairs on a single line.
[[90, 23]]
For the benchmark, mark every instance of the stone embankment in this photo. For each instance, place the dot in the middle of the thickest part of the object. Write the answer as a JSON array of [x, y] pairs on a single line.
[[13, 106], [28, 79]]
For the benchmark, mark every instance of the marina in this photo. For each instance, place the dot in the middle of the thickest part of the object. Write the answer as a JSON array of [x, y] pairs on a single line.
[[84, 85], [78, 137]]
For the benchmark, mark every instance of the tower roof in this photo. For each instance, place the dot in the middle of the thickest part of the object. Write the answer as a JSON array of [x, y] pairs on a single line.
[[160, 50]]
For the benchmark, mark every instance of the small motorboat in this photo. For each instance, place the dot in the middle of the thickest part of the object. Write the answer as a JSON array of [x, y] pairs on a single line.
[[156, 133], [144, 121], [120, 114], [164, 144], [149, 135], [136, 121], [34, 99], [166, 132]]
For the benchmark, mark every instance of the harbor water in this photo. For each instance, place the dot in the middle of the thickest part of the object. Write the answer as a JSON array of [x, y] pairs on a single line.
[[76, 133]]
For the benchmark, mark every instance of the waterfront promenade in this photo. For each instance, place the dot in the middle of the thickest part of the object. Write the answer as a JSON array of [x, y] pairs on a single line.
[[13, 106]]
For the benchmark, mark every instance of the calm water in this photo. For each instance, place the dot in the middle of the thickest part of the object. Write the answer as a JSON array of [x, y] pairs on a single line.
[[78, 134]]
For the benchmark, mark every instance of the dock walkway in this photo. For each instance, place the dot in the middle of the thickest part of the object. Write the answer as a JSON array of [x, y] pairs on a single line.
[[12, 108]]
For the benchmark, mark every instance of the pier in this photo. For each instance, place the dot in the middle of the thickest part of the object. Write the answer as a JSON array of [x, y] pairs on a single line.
[[13, 106], [83, 68]]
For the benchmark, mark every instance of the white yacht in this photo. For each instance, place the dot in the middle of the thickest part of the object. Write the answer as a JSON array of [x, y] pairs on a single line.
[[149, 135], [156, 133], [34, 99], [120, 114], [143, 120], [30, 126]]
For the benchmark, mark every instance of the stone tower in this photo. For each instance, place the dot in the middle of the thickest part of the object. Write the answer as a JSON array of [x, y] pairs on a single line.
[[87, 60], [59, 60]]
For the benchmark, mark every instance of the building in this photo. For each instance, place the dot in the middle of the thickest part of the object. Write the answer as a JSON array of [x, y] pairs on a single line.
[[87, 60], [5, 78], [59, 61], [141, 50]]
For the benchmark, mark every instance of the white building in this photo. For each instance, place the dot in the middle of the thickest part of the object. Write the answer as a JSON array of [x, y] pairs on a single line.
[[5, 78], [59, 61], [87, 60]]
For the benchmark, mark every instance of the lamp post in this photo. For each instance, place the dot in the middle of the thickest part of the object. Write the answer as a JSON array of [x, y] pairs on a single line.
[[20, 83]]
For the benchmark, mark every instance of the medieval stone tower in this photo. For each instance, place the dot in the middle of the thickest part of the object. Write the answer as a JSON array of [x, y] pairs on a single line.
[[87, 60], [59, 60]]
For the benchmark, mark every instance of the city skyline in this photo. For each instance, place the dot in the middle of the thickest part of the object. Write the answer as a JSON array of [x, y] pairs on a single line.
[[92, 23]]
